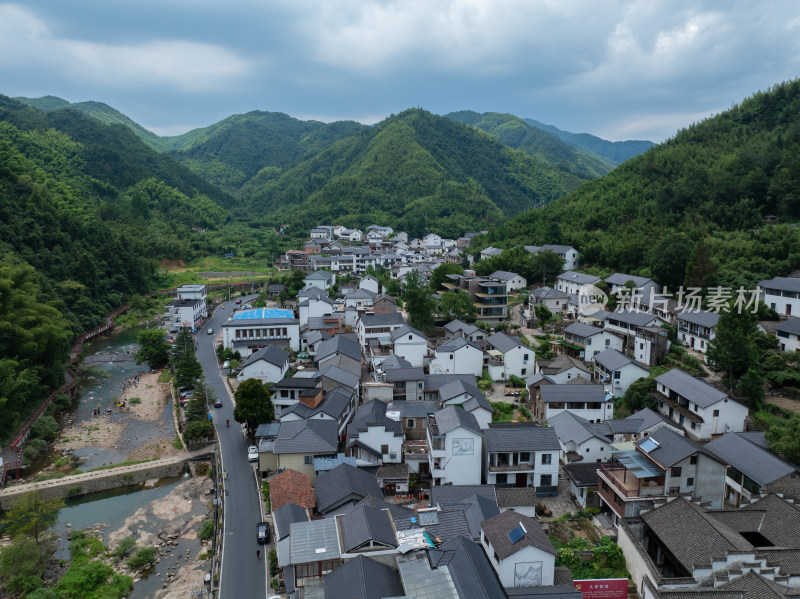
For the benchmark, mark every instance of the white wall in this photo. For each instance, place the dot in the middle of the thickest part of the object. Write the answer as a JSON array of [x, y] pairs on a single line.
[[731, 419], [413, 350], [606, 412], [507, 567], [591, 450], [263, 371], [790, 343], [459, 469], [627, 375], [375, 436], [785, 306], [600, 342], [465, 360], [515, 362]]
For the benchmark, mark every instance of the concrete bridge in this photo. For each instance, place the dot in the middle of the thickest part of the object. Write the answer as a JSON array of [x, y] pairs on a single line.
[[76, 485]]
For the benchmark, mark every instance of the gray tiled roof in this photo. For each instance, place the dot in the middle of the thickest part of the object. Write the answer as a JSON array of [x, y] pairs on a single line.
[[340, 376], [405, 374], [578, 277], [456, 344], [372, 413], [503, 275], [691, 534], [548, 293], [458, 387], [307, 538], [748, 458], [397, 511], [334, 403], [700, 317], [695, 390], [560, 364], [582, 329], [272, 354], [366, 524], [343, 344], [447, 496], [582, 474], [520, 437], [362, 293], [619, 278], [612, 360], [320, 275], [285, 515], [572, 393], [306, 437], [571, 427], [377, 319], [452, 417], [342, 482], [504, 343], [782, 283], [469, 568], [363, 578], [511, 497], [456, 325], [406, 330], [479, 509], [781, 523], [296, 382], [649, 419], [394, 361], [496, 531], [635, 318], [450, 524], [413, 409], [433, 382], [672, 447], [791, 326], [314, 292]]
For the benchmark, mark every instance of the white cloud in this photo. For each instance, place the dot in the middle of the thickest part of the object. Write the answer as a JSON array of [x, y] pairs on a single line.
[[26, 43]]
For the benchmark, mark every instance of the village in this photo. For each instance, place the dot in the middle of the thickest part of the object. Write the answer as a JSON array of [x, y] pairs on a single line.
[[494, 457]]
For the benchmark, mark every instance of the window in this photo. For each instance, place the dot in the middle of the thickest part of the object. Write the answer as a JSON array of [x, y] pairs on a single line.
[[451, 356], [676, 471], [588, 449], [410, 337], [500, 479], [410, 423], [547, 458], [525, 456], [617, 499], [716, 413], [693, 460], [384, 449], [604, 485], [694, 426], [546, 480], [617, 375], [690, 482], [308, 460], [524, 357], [523, 371]]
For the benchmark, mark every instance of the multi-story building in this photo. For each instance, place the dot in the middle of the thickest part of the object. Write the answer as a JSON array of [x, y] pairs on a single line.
[[454, 441], [253, 329], [522, 454], [782, 294], [696, 328]]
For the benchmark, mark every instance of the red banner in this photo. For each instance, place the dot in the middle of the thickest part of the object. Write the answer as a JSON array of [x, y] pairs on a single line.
[[603, 588]]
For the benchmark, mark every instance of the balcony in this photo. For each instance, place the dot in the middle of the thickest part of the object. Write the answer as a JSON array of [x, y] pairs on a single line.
[[416, 450], [627, 485], [679, 405], [522, 467], [701, 332]]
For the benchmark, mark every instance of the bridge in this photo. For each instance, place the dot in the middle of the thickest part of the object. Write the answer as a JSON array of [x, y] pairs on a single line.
[[110, 357]]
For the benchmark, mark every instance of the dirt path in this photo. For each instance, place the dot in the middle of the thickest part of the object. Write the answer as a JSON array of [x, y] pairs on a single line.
[[790, 405]]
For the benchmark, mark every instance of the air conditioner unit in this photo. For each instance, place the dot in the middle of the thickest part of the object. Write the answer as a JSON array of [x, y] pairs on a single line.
[[393, 455]]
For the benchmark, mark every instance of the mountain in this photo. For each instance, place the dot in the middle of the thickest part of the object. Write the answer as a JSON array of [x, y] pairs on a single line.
[[691, 210], [615, 151], [416, 171], [234, 150], [101, 112], [516, 133]]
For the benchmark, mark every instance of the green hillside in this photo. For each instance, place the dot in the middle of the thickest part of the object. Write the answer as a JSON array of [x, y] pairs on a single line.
[[516, 133], [232, 151], [415, 171], [101, 112], [691, 209], [615, 151]]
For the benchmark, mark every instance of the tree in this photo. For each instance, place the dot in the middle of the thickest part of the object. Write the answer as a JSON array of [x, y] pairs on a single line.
[[783, 436], [32, 514], [640, 395], [23, 564], [197, 429], [458, 304], [733, 349], [543, 313], [545, 266], [418, 301], [669, 258], [439, 275], [253, 404], [153, 349]]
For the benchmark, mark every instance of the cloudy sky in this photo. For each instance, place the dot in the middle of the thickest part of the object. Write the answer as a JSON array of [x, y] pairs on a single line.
[[617, 69]]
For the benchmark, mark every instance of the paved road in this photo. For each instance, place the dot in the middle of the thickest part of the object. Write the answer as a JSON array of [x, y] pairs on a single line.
[[243, 576]]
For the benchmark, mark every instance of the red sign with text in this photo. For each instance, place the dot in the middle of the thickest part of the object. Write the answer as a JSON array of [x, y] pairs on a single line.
[[603, 588]]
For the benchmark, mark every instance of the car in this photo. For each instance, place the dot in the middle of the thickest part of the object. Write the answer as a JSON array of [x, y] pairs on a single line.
[[238, 302], [217, 403], [252, 453], [262, 534], [210, 331]]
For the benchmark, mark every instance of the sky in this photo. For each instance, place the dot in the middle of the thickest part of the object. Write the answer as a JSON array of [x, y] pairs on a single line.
[[640, 69]]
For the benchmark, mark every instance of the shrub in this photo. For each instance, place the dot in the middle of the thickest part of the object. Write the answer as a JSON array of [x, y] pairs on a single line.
[[33, 449], [135, 401], [207, 530], [45, 428], [124, 548], [176, 443], [143, 556], [273, 563], [73, 490], [196, 429]]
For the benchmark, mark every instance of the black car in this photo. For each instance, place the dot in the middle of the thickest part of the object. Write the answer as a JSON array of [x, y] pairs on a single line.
[[263, 532], [217, 403]]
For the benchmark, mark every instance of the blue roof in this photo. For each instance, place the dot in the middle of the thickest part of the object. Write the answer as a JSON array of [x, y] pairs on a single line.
[[261, 313], [324, 464]]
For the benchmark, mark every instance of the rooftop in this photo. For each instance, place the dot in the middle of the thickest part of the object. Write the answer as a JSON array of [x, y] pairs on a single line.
[[520, 437], [693, 389], [524, 530], [291, 486]]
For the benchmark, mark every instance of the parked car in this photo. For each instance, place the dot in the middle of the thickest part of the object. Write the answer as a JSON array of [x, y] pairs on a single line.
[[263, 533], [238, 302], [210, 331], [252, 453]]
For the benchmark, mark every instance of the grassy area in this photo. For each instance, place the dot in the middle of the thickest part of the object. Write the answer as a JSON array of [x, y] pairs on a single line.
[[502, 411]]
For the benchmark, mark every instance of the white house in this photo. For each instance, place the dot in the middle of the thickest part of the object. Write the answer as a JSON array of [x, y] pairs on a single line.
[[456, 328], [184, 313], [378, 326], [513, 281], [518, 359], [788, 333], [468, 396], [782, 294], [361, 299], [626, 322], [410, 344], [522, 454], [587, 401], [580, 440], [457, 356], [432, 239], [194, 292], [553, 299], [567, 252], [519, 550], [370, 283], [268, 364], [562, 369], [322, 279], [455, 440], [696, 328], [571, 281], [314, 307], [373, 438], [590, 341], [618, 280], [702, 410], [249, 330], [616, 371]]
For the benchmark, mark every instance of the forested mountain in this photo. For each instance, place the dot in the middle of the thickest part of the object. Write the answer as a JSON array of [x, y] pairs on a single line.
[[415, 171], [516, 133], [690, 210], [232, 151], [615, 151], [103, 113]]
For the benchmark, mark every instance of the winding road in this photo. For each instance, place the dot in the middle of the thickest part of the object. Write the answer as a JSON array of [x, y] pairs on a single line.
[[243, 575]]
